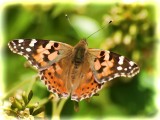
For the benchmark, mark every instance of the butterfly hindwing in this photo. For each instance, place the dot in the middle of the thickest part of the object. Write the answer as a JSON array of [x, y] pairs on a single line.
[[40, 53], [87, 86], [107, 65], [54, 79]]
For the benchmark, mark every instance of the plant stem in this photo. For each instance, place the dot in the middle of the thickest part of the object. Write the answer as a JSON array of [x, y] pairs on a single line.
[[15, 88], [57, 108], [61, 104]]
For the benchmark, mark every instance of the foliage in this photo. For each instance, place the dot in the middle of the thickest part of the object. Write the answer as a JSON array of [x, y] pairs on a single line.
[[131, 33], [21, 106]]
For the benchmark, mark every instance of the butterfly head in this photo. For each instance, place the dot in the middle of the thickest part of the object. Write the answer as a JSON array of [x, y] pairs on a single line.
[[82, 42]]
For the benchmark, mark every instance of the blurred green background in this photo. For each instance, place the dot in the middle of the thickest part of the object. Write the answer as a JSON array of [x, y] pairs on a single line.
[[132, 34]]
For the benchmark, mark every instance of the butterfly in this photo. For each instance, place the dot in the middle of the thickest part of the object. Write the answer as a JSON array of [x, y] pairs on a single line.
[[76, 71]]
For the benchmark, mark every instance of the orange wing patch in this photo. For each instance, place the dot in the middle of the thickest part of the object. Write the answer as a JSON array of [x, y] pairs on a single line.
[[44, 55], [108, 65], [53, 80], [40, 53], [87, 88]]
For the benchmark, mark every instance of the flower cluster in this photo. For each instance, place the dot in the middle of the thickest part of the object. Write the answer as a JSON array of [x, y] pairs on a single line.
[[21, 107]]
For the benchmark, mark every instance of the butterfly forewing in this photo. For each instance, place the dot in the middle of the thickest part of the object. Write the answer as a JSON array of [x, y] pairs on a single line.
[[45, 56], [40, 53], [107, 65]]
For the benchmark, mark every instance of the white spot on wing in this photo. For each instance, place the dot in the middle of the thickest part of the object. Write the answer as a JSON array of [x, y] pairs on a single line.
[[32, 42], [121, 59], [125, 69], [119, 68], [26, 56], [116, 75], [110, 78], [28, 49], [20, 40], [20, 53], [131, 63], [22, 47], [123, 74]]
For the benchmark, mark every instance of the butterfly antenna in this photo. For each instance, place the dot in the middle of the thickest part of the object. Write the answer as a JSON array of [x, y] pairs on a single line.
[[68, 19], [71, 24], [99, 29]]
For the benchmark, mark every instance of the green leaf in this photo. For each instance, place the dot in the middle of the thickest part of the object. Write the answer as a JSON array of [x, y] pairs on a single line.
[[38, 111], [25, 99], [30, 95]]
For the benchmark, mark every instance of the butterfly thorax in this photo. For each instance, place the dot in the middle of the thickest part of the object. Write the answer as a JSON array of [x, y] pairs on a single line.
[[79, 53]]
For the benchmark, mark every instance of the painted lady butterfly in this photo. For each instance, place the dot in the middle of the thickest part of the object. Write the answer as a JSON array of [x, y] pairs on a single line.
[[77, 71]]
